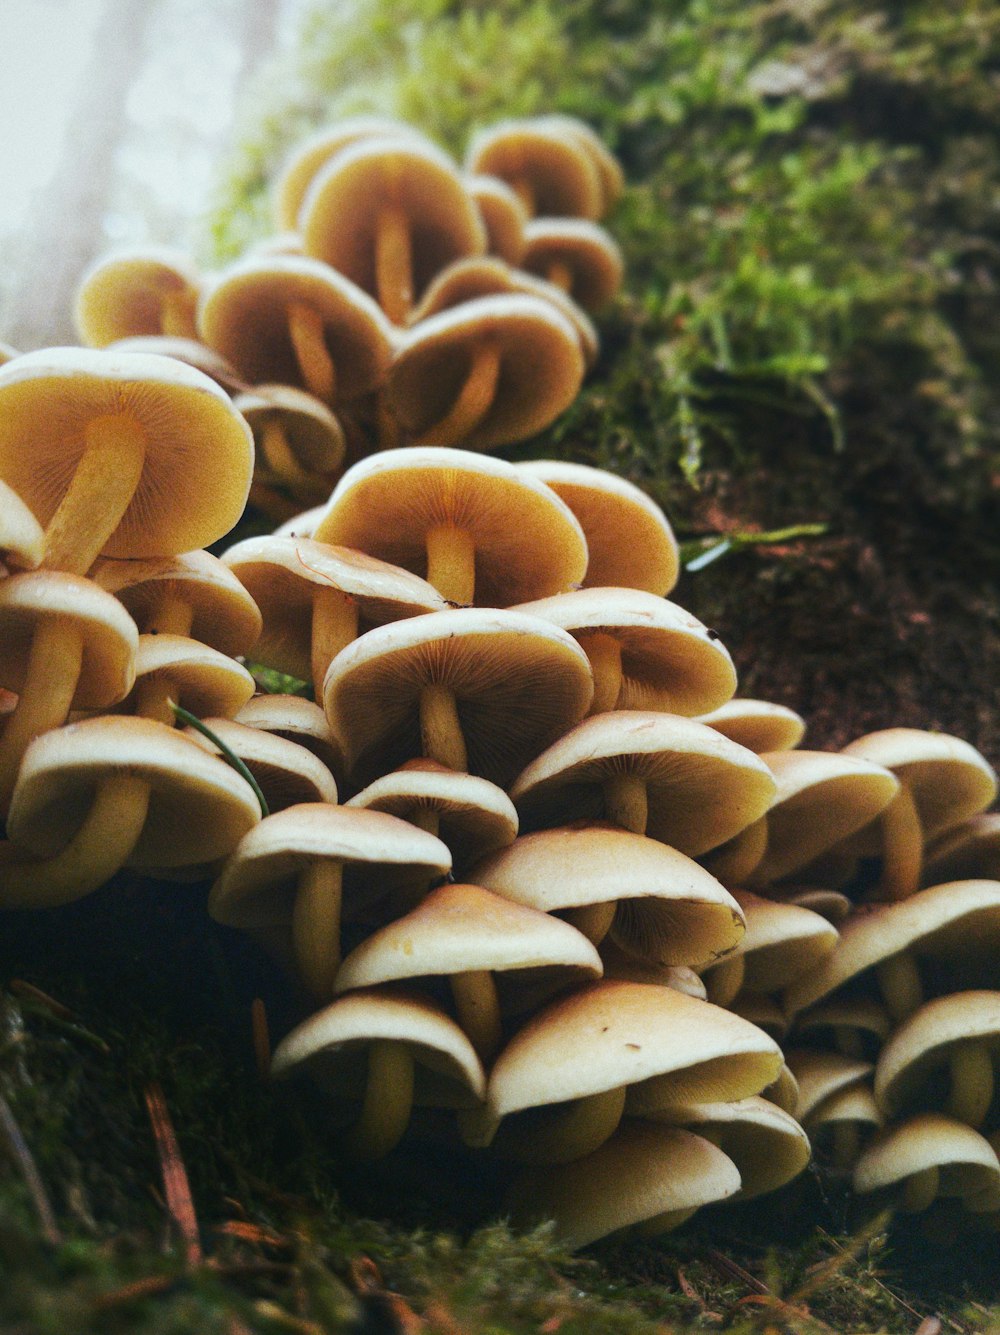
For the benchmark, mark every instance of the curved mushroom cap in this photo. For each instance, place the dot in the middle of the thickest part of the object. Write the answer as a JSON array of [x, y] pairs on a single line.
[[759, 725], [302, 525], [551, 171], [916, 1052], [107, 633], [667, 1047], [618, 963], [336, 1040], [763, 1011], [314, 436], [609, 169], [959, 920], [524, 544], [22, 541], [823, 797], [966, 1162], [503, 215], [700, 788], [286, 773], [629, 538], [822, 1074], [948, 779], [189, 351], [851, 1104], [200, 679], [782, 941], [137, 291], [765, 1142], [474, 817], [340, 212], [969, 850], [829, 904], [257, 886], [244, 314], [669, 910], [222, 613], [540, 369], [670, 662], [313, 153], [285, 575], [517, 683], [199, 807], [457, 928], [579, 249], [199, 451], [298, 719], [864, 1020], [7, 353], [644, 1172], [735, 861]]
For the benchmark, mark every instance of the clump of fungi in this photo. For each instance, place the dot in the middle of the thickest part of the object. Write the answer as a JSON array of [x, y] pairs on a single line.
[[543, 885]]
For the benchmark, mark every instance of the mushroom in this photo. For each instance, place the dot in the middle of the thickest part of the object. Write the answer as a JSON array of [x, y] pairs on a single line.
[[550, 170], [286, 772], [139, 290], [842, 1125], [176, 670], [375, 1045], [576, 255], [299, 720], [475, 528], [969, 850], [477, 690], [927, 1156], [189, 351], [300, 444], [503, 215], [759, 725], [121, 454], [22, 541], [609, 171]]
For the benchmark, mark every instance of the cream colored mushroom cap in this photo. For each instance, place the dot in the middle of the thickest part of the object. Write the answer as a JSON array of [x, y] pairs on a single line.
[[670, 910], [866, 1017], [701, 789], [359, 1018], [821, 1074], [763, 1011], [562, 176], [923, 1043], [199, 808], [314, 435], [630, 540], [830, 904], [257, 884], [22, 541], [475, 816], [202, 680], [301, 525], [759, 725], [665, 1046], [340, 210], [642, 1172], [967, 1163], [298, 719], [243, 313], [823, 797], [224, 615], [107, 633], [782, 941], [518, 683], [459, 927], [670, 662], [853, 1103], [286, 772], [314, 152], [589, 255], [123, 293], [187, 350], [959, 920], [970, 849], [766, 1143], [525, 545], [618, 963], [948, 778], [503, 215], [199, 451], [540, 371]]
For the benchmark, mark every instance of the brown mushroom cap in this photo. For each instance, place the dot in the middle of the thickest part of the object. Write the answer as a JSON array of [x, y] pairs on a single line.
[[629, 538], [516, 682], [553, 174], [696, 788], [663, 658], [576, 254], [389, 504], [781, 942], [22, 542], [307, 430], [137, 291], [528, 352], [759, 725], [503, 215], [609, 169]]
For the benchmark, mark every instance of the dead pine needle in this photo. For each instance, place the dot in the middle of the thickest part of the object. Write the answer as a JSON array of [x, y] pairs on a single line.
[[176, 1188], [25, 1160]]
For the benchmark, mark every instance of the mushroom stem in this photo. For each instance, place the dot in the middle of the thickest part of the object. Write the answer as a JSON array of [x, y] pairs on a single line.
[[920, 1191], [472, 403], [605, 654], [441, 729], [899, 980], [98, 496], [593, 920], [847, 1040], [171, 614], [902, 847], [626, 802], [561, 275], [278, 454], [724, 980], [475, 994], [305, 329], [153, 695], [100, 847], [451, 563], [316, 926], [971, 1083], [522, 188], [846, 1145], [559, 1134], [394, 263], [50, 682], [388, 1101], [334, 626]]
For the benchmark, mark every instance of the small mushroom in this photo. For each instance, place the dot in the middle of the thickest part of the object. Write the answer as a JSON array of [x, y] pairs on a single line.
[[927, 1156], [758, 725], [139, 290]]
